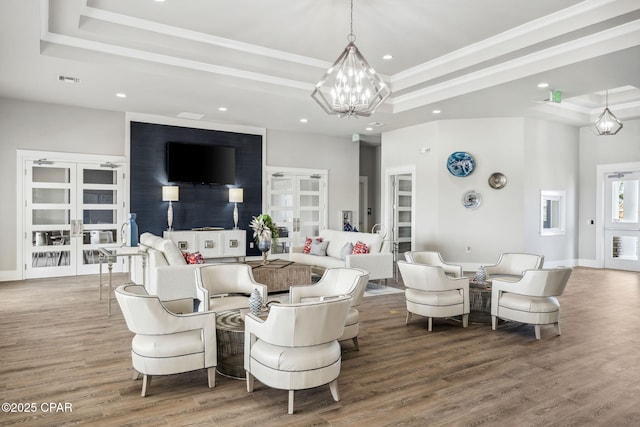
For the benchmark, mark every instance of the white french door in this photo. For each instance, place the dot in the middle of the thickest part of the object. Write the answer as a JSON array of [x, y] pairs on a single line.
[[296, 201], [622, 220], [70, 210], [402, 212]]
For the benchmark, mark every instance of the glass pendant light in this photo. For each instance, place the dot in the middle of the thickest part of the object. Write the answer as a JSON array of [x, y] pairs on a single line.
[[607, 123]]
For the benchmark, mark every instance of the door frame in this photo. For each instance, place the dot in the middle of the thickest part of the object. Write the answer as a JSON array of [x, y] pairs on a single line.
[[601, 172], [387, 204], [34, 155]]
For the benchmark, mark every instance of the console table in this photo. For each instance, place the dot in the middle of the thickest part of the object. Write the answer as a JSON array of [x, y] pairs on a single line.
[[211, 243], [110, 255]]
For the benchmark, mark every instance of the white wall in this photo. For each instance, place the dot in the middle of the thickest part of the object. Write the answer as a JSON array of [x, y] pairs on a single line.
[[340, 156], [508, 219], [46, 127], [600, 150]]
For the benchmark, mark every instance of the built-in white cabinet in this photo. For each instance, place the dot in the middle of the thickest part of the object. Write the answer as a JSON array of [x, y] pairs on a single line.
[[211, 243]]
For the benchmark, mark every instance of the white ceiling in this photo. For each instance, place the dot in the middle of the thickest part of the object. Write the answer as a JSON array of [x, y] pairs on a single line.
[[261, 58]]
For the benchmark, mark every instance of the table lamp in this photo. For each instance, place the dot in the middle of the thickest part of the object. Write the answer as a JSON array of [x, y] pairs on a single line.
[[170, 193], [235, 197]]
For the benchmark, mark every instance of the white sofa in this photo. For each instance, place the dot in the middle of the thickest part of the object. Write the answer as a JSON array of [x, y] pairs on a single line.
[[168, 275], [378, 262]]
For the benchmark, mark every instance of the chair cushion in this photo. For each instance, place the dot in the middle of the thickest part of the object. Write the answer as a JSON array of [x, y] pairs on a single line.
[[529, 304], [441, 298], [295, 359], [232, 302], [170, 345]]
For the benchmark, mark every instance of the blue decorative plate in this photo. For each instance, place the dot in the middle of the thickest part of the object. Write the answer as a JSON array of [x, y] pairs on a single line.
[[460, 163]]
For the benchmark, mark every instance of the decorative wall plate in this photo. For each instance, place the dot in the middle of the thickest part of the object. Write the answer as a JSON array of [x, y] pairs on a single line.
[[497, 180], [471, 199], [460, 163]]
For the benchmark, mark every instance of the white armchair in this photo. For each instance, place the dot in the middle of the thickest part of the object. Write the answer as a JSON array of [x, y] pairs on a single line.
[[435, 259], [226, 286], [166, 343], [431, 293], [296, 347], [532, 299], [511, 266], [334, 282]]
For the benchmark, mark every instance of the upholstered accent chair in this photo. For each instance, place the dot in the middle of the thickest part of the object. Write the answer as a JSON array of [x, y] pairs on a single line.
[[433, 258], [532, 299], [166, 343], [296, 347], [511, 266], [226, 286], [431, 293], [334, 282]]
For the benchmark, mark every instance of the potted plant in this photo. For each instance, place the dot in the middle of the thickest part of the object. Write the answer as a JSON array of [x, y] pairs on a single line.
[[265, 233]]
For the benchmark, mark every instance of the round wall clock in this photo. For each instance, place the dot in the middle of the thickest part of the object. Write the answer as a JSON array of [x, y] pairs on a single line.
[[471, 199], [460, 163]]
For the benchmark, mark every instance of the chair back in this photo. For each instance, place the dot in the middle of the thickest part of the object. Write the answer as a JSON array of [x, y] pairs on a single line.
[[225, 278], [545, 283], [307, 323], [516, 264], [144, 314], [345, 281], [424, 277], [423, 257]]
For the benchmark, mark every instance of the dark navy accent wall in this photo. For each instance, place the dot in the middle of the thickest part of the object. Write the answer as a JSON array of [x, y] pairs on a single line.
[[200, 205]]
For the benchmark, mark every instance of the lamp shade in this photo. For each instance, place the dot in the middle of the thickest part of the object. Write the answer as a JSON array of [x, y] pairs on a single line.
[[235, 195], [170, 193]]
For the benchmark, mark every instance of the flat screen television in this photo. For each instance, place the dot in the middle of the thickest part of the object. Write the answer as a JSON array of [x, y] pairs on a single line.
[[201, 164]]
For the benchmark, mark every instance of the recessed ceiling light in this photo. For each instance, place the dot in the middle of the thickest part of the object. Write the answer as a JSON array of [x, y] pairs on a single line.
[[437, 111], [303, 120], [387, 57], [222, 109], [543, 85], [369, 129], [121, 95]]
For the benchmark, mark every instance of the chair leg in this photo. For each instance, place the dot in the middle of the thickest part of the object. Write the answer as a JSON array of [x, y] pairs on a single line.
[[333, 386], [355, 343], [290, 412], [430, 324], [537, 330], [494, 321], [465, 320], [146, 382], [136, 375], [406, 322], [250, 381], [557, 326], [211, 376]]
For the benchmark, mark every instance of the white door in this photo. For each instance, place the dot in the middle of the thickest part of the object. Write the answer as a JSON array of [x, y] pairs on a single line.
[[402, 213], [622, 221], [70, 210], [296, 201]]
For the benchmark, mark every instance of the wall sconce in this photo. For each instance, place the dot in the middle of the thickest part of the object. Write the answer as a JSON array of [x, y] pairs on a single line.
[[170, 193], [235, 196]]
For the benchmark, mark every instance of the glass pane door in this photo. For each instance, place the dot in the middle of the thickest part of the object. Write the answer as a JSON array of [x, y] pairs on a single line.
[[50, 205], [280, 206], [402, 212], [622, 221]]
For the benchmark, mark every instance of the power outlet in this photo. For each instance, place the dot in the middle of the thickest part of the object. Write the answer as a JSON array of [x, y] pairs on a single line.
[[468, 249]]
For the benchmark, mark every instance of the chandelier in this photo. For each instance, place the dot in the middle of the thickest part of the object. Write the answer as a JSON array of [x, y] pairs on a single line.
[[350, 87], [607, 123]]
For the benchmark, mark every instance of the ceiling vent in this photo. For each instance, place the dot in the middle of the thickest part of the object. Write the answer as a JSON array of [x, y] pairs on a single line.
[[67, 79]]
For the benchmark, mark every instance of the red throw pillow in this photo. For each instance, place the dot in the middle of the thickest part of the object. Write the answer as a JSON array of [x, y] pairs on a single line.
[[194, 258], [360, 248], [307, 244]]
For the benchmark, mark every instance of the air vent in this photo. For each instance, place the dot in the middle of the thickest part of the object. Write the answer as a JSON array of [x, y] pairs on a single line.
[[67, 79], [192, 116]]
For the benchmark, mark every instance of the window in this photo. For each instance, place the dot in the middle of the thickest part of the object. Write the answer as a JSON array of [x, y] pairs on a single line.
[[552, 213]]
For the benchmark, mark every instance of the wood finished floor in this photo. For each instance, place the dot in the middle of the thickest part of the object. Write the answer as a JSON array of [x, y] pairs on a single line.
[[58, 345]]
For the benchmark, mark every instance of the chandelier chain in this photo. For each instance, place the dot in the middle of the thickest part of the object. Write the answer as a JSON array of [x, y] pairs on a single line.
[[351, 37]]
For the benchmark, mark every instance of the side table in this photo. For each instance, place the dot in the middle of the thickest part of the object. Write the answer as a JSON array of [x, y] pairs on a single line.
[[480, 301], [110, 255]]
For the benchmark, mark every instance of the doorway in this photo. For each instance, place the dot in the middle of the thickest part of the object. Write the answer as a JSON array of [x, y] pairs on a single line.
[[400, 209], [622, 220]]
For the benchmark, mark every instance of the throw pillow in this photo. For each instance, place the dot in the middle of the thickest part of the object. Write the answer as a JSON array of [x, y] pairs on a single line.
[[319, 247], [347, 249], [307, 244], [194, 258], [360, 248]]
